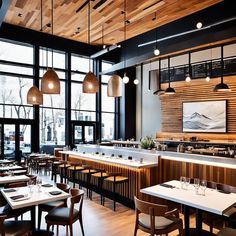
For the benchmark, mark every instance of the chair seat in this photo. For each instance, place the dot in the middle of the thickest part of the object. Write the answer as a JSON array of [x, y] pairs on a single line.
[[227, 232], [7, 210], [87, 171], [17, 228], [62, 166], [161, 222], [51, 205], [76, 168], [117, 179], [61, 215], [100, 175]]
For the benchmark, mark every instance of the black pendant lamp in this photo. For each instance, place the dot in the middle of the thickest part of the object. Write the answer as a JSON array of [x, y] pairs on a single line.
[[169, 90], [90, 82], [159, 91], [222, 87]]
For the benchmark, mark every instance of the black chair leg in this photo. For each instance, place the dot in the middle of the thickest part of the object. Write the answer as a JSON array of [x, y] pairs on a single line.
[[39, 217]]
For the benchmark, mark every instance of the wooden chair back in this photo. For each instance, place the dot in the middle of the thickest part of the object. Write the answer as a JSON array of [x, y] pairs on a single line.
[[149, 208], [77, 196], [63, 187], [33, 178]]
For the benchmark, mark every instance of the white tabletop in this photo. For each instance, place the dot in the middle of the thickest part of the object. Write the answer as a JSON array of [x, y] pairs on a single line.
[[13, 179], [14, 167], [114, 160], [35, 197], [213, 201]]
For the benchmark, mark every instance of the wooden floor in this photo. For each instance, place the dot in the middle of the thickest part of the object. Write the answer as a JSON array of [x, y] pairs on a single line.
[[103, 221]]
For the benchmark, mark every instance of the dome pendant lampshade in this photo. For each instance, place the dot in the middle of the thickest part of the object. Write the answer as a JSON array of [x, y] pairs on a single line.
[[222, 87], [50, 83], [90, 83], [34, 96], [169, 90], [114, 86]]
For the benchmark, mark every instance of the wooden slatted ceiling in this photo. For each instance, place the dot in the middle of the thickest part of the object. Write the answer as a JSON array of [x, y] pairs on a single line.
[[196, 90], [66, 20]]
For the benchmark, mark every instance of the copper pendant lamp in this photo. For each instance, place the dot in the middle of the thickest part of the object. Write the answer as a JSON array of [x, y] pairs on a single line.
[[114, 86], [90, 83], [34, 96], [50, 83]]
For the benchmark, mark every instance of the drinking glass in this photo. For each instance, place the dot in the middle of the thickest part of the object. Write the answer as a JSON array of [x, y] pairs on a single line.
[[182, 181], [39, 183], [203, 186], [30, 186], [196, 185], [187, 182]]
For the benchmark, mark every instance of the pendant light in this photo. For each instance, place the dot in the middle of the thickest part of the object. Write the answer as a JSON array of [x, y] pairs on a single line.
[[222, 87], [169, 90], [103, 45], [149, 76], [156, 50], [90, 83], [50, 83], [188, 77], [114, 86], [34, 95], [208, 69], [159, 90], [125, 77]]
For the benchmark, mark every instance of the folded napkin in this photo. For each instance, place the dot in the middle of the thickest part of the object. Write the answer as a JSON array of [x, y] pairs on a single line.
[[167, 185], [16, 197], [223, 191], [55, 192], [9, 190], [47, 185]]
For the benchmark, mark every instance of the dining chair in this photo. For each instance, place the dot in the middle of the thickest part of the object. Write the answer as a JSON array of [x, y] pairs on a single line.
[[48, 206], [67, 216], [155, 219], [14, 228]]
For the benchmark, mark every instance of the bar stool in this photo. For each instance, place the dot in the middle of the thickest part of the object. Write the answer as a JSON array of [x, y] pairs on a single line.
[[86, 176], [55, 162], [115, 179], [100, 176], [63, 170], [74, 168]]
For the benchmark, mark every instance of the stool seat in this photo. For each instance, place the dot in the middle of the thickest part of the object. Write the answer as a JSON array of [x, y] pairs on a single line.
[[64, 166], [100, 175], [116, 179], [76, 168], [89, 171]]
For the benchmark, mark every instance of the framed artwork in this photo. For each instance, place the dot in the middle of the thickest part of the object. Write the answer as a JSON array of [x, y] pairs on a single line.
[[204, 116]]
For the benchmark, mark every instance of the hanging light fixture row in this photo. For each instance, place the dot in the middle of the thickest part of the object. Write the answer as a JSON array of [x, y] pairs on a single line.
[[90, 82]]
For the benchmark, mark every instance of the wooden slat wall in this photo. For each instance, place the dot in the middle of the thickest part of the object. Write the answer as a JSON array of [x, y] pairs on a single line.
[[174, 169], [196, 90]]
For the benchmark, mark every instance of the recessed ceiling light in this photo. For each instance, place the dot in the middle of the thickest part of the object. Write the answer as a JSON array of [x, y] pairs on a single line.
[[20, 15], [199, 25]]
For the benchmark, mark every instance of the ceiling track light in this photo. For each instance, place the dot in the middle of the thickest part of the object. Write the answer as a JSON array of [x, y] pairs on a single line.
[[169, 90], [125, 77], [50, 83], [199, 25], [90, 82], [189, 75], [222, 87]]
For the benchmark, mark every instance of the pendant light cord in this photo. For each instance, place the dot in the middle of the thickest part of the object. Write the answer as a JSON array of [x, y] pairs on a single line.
[[52, 27], [124, 31], [169, 69], [189, 65], [89, 30], [222, 63], [159, 73], [102, 36]]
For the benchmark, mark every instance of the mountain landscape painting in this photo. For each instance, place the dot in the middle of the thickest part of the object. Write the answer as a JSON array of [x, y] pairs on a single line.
[[205, 116]]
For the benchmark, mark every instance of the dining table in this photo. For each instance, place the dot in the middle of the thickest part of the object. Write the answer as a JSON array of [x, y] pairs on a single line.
[[13, 179], [31, 196], [6, 167], [212, 201]]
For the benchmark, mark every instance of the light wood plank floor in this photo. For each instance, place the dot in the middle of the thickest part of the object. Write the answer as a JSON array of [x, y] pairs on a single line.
[[103, 221]]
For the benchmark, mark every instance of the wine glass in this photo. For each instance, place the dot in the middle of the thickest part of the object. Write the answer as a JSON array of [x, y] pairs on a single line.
[[196, 184], [187, 182], [203, 186], [182, 181], [39, 183], [30, 186]]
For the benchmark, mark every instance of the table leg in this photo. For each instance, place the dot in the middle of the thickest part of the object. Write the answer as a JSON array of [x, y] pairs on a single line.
[[198, 222], [33, 218], [186, 220]]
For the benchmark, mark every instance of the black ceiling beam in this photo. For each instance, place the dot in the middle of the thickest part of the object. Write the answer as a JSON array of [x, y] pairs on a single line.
[[4, 4]]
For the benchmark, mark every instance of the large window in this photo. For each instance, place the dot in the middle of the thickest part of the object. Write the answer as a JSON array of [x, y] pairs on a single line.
[[52, 112], [108, 108], [83, 105]]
